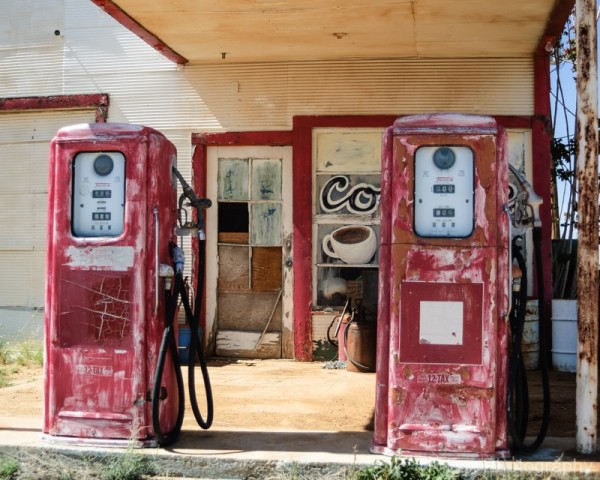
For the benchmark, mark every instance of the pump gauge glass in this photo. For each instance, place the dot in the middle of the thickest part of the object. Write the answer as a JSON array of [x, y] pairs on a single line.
[[103, 165], [444, 158]]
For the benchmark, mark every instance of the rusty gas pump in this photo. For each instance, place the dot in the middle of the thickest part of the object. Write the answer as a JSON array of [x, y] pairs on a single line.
[[443, 299], [112, 288]]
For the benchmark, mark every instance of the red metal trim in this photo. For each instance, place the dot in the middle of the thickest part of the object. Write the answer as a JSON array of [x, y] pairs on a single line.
[[131, 24], [274, 138], [554, 27], [98, 101], [506, 121], [199, 160], [542, 163]]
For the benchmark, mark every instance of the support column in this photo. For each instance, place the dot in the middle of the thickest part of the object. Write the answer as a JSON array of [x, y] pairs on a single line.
[[587, 255]]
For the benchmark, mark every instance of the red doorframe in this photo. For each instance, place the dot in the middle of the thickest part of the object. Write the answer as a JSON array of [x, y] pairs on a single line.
[[201, 142]]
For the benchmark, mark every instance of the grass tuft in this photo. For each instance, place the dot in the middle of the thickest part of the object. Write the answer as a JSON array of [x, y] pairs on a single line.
[[130, 466], [9, 468]]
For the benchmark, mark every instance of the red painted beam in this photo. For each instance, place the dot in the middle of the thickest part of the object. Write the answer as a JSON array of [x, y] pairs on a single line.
[[554, 27], [274, 138], [98, 101], [135, 27], [541, 134]]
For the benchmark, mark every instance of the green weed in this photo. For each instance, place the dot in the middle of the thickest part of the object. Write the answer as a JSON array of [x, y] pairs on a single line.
[[4, 381], [9, 468], [3, 351], [30, 353], [130, 466], [407, 469]]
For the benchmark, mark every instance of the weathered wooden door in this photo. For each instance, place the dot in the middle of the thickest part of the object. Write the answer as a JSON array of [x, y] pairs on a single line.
[[249, 251]]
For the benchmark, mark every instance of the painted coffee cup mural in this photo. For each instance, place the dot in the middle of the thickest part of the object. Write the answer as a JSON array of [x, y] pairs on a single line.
[[352, 244]]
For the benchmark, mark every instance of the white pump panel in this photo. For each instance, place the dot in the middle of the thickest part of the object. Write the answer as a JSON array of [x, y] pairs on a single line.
[[444, 191], [98, 194]]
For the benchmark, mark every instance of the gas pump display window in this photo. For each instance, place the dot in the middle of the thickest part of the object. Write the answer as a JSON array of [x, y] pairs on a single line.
[[444, 192], [98, 194]]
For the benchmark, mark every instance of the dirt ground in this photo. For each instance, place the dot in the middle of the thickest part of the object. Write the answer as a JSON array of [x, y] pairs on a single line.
[[285, 395], [248, 395]]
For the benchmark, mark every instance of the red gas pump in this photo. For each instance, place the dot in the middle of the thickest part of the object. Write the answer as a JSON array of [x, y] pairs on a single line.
[[112, 213], [443, 298]]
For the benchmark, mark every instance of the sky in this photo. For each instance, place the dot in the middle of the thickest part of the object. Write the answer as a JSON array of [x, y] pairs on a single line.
[[564, 111]]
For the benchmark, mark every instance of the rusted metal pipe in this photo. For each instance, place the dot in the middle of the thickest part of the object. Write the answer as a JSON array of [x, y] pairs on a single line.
[[587, 257]]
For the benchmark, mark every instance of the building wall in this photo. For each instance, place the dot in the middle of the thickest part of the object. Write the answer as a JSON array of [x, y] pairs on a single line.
[[71, 47]]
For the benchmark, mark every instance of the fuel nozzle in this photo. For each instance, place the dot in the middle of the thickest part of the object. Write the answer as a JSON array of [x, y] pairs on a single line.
[[523, 202], [188, 192], [186, 227]]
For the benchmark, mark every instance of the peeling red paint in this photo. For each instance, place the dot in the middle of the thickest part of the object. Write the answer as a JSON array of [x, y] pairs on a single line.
[[453, 390], [103, 330]]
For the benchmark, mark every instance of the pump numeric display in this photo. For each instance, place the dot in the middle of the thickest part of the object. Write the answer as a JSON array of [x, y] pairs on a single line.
[[443, 212], [101, 193], [444, 189]]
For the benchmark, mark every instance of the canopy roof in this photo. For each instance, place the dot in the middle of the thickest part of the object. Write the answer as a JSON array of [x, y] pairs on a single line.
[[209, 31]]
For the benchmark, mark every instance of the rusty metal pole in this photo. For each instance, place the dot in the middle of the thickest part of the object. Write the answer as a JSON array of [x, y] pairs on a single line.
[[587, 256]]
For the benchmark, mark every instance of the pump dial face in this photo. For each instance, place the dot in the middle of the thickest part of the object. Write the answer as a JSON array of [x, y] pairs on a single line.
[[444, 191], [98, 200]]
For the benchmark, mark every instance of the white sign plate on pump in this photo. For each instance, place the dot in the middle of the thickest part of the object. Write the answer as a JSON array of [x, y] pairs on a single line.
[[444, 192], [98, 194]]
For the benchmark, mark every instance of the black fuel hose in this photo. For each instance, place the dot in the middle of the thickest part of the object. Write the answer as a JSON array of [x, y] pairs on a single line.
[[159, 393], [169, 345], [196, 349], [518, 393]]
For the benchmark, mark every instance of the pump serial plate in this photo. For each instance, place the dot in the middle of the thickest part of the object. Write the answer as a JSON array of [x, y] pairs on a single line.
[[444, 191]]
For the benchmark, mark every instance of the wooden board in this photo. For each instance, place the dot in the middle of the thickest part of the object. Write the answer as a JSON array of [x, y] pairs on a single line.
[[233, 269], [248, 311], [266, 269], [240, 238], [232, 343]]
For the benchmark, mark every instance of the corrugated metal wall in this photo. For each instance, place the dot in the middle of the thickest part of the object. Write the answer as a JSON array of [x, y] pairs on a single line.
[[24, 139], [257, 96], [24, 142]]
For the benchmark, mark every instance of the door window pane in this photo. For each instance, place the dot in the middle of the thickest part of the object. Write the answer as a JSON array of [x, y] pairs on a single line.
[[233, 179], [265, 221], [266, 179]]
